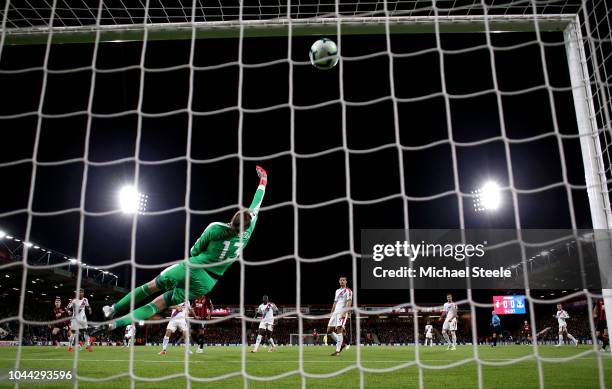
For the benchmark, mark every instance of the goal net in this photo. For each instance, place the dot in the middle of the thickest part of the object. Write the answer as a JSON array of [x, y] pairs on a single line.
[[181, 99]]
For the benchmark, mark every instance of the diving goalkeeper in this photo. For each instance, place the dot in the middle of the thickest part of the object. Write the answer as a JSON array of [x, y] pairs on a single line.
[[219, 246]]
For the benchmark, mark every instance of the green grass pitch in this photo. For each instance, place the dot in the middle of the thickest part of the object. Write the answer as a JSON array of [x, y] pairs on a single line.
[[105, 362]]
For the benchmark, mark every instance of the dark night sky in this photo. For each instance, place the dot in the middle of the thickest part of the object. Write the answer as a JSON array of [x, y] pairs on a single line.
[[322, 230]]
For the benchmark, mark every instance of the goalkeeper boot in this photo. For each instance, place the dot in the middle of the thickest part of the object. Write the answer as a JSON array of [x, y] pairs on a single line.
[[109, 311]]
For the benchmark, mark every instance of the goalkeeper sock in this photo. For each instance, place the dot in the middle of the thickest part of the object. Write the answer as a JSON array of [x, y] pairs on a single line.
[[454, 335], [339, 342], [257, 342], [446, 338], [139, 294], [142, 313], [165, 344]]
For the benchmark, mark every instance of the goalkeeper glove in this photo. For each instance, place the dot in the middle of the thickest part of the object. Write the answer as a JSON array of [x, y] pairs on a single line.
[[262, 174]]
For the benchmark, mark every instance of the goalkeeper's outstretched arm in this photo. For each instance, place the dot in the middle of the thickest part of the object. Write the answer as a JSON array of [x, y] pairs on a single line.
[[259, 195]]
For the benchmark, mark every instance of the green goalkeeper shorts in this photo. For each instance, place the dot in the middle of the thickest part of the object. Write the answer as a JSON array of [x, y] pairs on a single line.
[[172, 280]]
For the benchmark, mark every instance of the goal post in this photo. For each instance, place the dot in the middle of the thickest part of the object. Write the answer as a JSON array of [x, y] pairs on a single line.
[[279, 27], [592, 153]]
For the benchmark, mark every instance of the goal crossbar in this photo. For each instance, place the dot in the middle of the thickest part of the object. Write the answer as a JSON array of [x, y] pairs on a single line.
[[299, 27]]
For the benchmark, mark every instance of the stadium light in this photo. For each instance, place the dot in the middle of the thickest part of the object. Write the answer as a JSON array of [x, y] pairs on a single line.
[[28, 244], [487, 198], [132, 201], [2, 234]]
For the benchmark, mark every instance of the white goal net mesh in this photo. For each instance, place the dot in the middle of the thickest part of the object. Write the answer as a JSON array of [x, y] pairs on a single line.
[[379, 154]]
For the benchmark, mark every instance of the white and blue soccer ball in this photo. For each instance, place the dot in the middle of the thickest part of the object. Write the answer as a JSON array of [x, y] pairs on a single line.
[[324, 54]]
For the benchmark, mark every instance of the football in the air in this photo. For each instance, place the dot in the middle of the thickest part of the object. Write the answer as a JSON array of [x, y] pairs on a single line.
[[324, 54]]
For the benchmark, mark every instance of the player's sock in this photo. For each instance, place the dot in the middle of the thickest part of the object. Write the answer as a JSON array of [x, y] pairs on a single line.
[[446, 338], [334, 336], [70, 340], [271, 341], [571, 337], [165, 343], [339, 342], [560, 340], [454, 336], [86, 337], [495, 341], [201, 341], [142, 313], [139, 294], [257, 342]]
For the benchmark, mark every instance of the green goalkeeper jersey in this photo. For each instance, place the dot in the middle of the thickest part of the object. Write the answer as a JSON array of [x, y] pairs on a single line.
[[218, 244]]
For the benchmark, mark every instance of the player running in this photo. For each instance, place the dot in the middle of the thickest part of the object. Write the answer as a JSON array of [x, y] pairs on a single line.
[[219, 245], [449, 315], [78, 324], [267, 310], [58, 327], [339, 314], [561, 315], [496, 327], [601, 324], [203, 309], [130, 334], [429, 334], [178, 320]]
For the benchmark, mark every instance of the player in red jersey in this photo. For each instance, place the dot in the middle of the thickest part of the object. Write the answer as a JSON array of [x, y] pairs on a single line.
[[203, 307], [57, 327], [526, 332], [601, 324]]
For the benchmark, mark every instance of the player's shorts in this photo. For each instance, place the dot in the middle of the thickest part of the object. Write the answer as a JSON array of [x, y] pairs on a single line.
[[562, 328], [429, 335], [181, 325], [266, 326], [601, 325], [450, 325], [80, 324], [337, 320], [172, 280]]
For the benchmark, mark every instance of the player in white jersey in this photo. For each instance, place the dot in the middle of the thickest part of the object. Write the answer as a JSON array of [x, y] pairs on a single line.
[[449, 315], [178, 320], [267, 310], [130, 334], [428, 334], [79, 307], [339, 314], [561, 315]]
